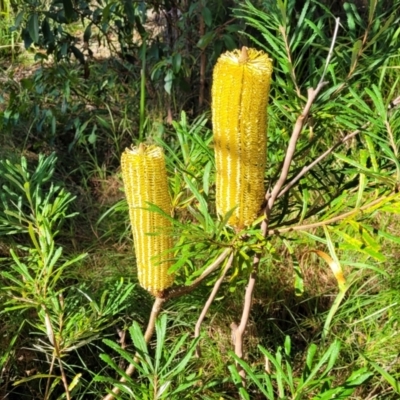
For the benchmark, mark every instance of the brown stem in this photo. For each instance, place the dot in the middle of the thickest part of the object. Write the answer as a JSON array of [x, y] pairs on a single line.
[[312, 94], [209, 302], [328, 221], [238, 331], [157, 306], [180, 290], [63, 375], [318, 160], [46, 393], [57, 354]]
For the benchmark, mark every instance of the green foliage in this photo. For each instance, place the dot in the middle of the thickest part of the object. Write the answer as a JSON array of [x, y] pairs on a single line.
[[279, 381], [65, 317], [167, 27], [164, 375], [8, 37], [30, 202], [298, 41]]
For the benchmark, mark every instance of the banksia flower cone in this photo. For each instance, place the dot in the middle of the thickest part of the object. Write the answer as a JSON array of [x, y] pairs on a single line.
[[241, 82], [145, 180]]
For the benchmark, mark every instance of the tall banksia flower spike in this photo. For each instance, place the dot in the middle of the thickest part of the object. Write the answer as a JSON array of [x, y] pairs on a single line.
[[145, 180], [241, 82]]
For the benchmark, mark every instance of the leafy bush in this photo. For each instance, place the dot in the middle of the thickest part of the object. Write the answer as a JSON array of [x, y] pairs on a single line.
[[325, 259]]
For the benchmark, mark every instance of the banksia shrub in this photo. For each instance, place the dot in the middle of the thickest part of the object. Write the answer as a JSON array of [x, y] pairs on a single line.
[[241, 82], [145, 180]]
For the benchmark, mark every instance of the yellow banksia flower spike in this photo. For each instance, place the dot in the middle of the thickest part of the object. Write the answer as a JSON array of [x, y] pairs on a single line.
[[241, 82], [145, 180]]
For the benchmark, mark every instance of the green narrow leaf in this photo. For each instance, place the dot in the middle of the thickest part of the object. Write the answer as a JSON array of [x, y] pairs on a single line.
[[382, 29], [237, 380], [350, 17], [176, 63], [372, 153], [207, 16], [331, 352], [297, 273], [229, 41], [130, 11], [358, 377], [354, 54], [280, 374], [309, 361], [203, 205], [376, 96], [87, 34], [168, 79], [386, 235], [205, 40], [265, 388], [332, 312], [305, 198], [206, 177], [371, 10], [37, 376], [161, 331], [363, 179], [107, 359], [171, 356], [181, 366], [68, 9], [335, 350], [140, 343], [81, 58], [33, 27], [393, 382], [276, 362], [288, 346], [32, 235]]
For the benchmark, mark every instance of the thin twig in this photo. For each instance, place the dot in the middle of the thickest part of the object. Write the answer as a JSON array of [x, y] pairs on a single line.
[[180, 290], [312, 94], [46, 393], [155, 311], [328, 221], [330, 53], [319, 159], [57, 353], [63, 374], [209, 302], [238, 331]]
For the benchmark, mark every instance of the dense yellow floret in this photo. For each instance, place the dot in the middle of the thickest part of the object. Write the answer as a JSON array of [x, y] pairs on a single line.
[[241, 83], [145, 180]]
